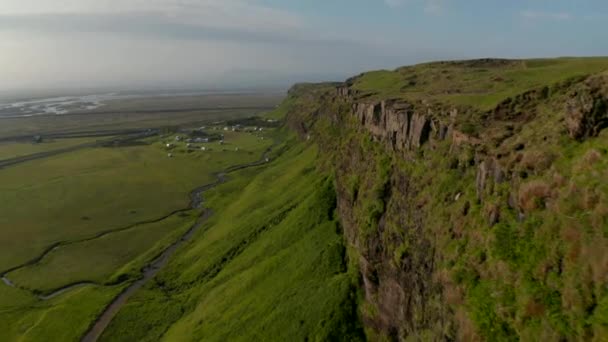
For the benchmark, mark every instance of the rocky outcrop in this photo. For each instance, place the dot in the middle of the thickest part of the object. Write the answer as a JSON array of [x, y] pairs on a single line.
[[587, 108], [489, 173], [439, 239], [346, 92], [399, 124]]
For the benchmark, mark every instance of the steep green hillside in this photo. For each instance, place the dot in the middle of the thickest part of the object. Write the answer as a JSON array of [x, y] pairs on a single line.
[[473, 195], [269, 265]]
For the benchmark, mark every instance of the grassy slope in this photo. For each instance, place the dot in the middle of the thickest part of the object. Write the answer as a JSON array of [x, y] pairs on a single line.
[[482, 86], [65, 318], [269, 265]]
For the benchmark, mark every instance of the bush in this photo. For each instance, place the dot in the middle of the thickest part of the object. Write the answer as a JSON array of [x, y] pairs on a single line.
[[533, 195]]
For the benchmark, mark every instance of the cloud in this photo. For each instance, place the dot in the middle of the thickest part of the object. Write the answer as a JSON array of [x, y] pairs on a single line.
[[225, 14], [395, 3], [433, 6], [543, 15], [172, 43], [428, 6]]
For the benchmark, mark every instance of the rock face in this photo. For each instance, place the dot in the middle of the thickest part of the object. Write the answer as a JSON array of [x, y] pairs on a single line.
[[346, 92], [587, 108], [489, 173], [398, 124], [441, 231]]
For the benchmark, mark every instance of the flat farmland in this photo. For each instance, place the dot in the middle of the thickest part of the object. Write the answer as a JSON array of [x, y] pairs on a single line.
[[143, 114]]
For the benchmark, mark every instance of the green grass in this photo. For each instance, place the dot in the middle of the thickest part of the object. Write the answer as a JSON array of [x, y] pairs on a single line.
[[13, 150], [65, 318], [269, 265], [103, 259], [279, 112], [479, 85], [77, 195]]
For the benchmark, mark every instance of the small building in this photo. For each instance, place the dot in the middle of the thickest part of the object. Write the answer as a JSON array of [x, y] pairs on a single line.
[[226, 128], [169, 145], [178, 138], [170, 155], [203, 148], [267, 159], [221, 142]]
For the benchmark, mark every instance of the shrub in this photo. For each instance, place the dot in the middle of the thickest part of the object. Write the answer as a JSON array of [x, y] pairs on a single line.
[[533, 195], [537, 161]]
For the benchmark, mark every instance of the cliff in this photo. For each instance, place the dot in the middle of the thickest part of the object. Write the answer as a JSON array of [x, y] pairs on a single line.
[[473, 198]]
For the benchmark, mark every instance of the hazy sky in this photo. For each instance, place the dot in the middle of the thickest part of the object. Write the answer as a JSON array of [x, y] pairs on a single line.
[[178, 43]]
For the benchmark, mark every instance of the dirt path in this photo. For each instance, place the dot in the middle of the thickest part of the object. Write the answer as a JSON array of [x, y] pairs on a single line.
[[150, 271]]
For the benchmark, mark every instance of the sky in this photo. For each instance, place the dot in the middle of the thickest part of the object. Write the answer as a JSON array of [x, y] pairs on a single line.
[[166, 44]]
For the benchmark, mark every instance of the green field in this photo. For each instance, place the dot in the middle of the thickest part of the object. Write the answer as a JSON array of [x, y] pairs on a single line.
[[80, 194], [103, 259], [19, 149], [479, 84], [96, 203]]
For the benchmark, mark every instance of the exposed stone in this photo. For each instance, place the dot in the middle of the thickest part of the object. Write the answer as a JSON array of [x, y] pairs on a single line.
[[493, 215], [346, 92], [587, 108], [459, 138], [443, 132], [489, 172], [394, 123]]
